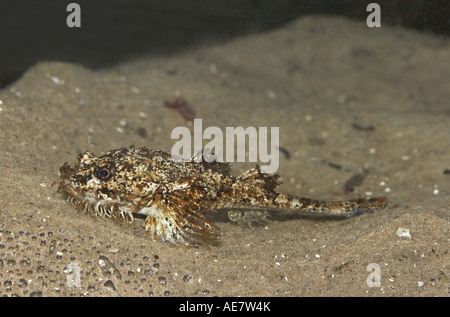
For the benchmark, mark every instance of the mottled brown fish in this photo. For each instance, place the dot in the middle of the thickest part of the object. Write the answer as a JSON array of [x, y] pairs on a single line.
[[173, 195]]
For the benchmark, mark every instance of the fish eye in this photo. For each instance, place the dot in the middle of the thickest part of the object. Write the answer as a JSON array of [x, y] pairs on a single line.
[[105, 172]]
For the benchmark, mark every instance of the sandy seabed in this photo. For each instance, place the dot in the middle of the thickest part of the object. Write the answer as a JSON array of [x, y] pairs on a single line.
[[345, 97]]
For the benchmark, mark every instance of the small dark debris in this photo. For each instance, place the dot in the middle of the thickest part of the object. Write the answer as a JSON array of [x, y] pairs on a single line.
[[334, 165], [294, 67], [355, 181], [363, 128], [171, 70], [447, 171], [142, 132], [182, 106], [359, 52], [316, 141], [285, 152]]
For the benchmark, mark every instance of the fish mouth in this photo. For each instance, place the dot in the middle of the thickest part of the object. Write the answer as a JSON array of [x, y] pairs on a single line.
[[91, 205]]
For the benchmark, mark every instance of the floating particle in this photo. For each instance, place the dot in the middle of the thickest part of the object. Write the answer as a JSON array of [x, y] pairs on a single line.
[[56, 80], [271, 94], [213, 68], [142, 132], [171, 70], [403, 233], [355, 181], [293, 68], [182, 106], [363, 128], [285, 152], [334, 165], [316, 141]]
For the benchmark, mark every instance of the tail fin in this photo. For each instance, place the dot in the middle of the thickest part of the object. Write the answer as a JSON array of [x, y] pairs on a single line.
[[253, 195], [346, 208]]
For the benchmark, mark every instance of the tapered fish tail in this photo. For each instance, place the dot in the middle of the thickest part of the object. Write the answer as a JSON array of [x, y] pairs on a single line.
[[346, 208], [253, 195]]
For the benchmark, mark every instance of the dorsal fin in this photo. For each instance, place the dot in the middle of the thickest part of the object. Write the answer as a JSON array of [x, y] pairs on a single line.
[[210, 161], [255, 177]]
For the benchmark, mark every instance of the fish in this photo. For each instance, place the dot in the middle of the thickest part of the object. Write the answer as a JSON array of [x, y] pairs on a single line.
[[173, 194]]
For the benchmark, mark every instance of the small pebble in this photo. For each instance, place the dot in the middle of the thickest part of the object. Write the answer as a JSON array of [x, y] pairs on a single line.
[[171, 70], [56, 80], [271, 94], [213, 68], [403, 233]]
